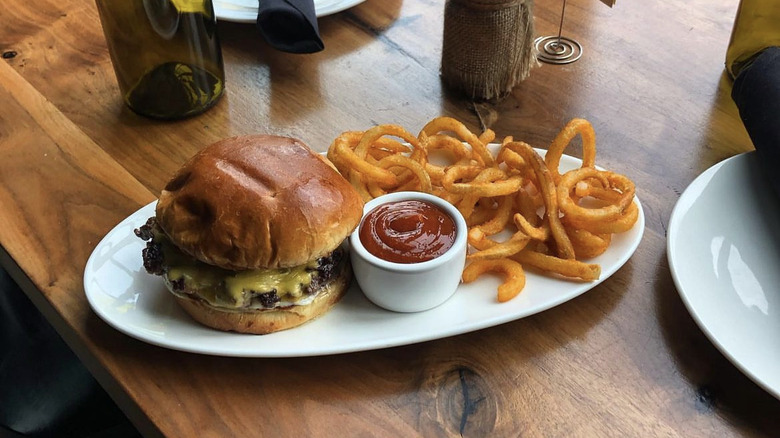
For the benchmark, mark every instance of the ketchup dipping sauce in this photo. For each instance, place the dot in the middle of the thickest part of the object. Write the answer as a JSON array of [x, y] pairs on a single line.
[[409, 251], [407, 231]]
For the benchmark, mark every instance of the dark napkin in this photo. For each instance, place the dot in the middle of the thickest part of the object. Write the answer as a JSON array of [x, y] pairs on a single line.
[[290, 25], [757, 95]]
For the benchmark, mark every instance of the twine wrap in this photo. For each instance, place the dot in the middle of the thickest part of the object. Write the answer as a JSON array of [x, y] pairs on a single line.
[[487, 46]]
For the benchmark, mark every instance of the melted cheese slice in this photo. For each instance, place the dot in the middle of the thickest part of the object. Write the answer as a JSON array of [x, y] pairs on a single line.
[[236, 289]]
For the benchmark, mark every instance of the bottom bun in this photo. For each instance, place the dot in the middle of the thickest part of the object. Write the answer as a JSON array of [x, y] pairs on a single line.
[[263, 322]]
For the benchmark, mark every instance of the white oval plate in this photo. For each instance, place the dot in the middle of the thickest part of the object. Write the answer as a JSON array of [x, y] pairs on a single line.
[[245, 11], [138, 304], [724, 253]]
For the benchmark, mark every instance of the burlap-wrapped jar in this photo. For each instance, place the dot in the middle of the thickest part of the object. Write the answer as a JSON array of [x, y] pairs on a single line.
[[488, 46]]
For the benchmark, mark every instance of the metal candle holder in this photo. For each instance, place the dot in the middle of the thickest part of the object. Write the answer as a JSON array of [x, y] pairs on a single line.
[[558, 49]]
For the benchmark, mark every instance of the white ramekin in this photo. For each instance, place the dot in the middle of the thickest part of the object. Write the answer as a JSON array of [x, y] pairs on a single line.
[[410, 287]]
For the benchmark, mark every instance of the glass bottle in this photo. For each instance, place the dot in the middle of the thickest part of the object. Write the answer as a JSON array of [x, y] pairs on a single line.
[[166, 55]]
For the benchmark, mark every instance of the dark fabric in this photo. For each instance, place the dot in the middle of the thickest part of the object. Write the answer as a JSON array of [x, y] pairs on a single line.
[[45, 391], [290, 25], [757, 95]]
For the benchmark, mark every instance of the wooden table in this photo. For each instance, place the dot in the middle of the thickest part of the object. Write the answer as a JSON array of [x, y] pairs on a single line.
[[625, 359]]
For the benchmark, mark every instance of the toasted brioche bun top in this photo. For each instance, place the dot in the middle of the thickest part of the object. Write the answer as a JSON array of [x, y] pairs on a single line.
[[258, 202]]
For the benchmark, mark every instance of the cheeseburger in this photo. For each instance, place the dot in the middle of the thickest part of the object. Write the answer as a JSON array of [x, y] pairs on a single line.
[[247, 234]]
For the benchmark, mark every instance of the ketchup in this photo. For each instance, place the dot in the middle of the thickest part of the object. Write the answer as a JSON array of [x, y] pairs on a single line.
[[409, 231]]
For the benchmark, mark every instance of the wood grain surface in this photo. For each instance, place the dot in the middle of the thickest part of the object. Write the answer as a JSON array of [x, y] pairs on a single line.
[[625, 359]]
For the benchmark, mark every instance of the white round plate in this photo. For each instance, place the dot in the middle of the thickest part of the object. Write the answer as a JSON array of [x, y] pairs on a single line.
[[136, 303], [724, 253], [245, 11]]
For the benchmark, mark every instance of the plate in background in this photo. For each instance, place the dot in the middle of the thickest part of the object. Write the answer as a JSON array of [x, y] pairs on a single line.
[[245, 11], [723, 246]]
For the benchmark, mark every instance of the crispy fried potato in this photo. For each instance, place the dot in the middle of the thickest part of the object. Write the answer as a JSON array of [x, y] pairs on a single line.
[[514, 281], [519, 208]]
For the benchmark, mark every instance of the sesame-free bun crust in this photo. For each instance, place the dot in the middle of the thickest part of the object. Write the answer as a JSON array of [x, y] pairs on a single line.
[[262, 322], [258, 202]]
